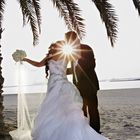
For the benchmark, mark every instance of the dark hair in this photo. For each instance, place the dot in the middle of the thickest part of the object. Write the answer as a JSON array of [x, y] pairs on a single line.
[[51, 51], [71, 35], [46, 69], [54, 47]]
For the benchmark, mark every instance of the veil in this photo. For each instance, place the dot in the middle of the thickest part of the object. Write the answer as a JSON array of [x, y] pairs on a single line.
[[27, 106]]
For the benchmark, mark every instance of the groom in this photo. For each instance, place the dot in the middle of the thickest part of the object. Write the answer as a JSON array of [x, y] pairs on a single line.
[[85, 78]]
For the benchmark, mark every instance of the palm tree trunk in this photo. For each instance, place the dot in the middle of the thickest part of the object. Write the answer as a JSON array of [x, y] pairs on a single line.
[[1, 91], [4, 135]]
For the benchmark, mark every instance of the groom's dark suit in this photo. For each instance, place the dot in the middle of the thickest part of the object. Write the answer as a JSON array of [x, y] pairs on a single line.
[[88, 85]]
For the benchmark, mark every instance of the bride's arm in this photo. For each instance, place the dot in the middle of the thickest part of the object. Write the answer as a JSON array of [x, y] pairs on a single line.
[[36, 63]]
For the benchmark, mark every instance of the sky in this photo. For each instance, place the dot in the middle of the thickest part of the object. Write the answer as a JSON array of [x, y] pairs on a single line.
[[122, 61]]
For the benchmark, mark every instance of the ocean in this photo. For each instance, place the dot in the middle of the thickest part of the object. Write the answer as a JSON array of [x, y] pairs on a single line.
[[104, 85]]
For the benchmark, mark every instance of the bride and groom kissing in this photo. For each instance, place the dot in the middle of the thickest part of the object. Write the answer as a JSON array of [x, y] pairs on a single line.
[[64, 111]]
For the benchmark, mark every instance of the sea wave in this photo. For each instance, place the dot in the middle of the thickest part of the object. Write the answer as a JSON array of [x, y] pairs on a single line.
[[42, 87]]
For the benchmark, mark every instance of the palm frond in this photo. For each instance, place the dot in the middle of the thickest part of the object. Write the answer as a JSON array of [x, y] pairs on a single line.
[[137, 5], [109, 17], [63, 12], [37, 7], [29, 14], [72, 17], [2, 4], [75, 16]]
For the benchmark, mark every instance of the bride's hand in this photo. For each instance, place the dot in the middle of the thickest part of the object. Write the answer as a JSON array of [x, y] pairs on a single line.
[[24, 59]]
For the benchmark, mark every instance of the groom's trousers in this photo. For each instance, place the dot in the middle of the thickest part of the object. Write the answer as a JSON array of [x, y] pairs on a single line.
[[90, 104]]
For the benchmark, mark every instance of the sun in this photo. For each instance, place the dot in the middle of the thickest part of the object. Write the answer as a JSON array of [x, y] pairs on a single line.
[[67, 50]]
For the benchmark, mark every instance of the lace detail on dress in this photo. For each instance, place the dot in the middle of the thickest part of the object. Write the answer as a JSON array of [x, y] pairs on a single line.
[[57, 71], [58, 67]]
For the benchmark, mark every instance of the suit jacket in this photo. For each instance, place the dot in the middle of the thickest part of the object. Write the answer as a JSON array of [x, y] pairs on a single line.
[[85, 69]]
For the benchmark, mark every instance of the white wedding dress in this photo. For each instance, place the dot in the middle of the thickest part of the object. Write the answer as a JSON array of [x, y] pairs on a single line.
[[60, 116]]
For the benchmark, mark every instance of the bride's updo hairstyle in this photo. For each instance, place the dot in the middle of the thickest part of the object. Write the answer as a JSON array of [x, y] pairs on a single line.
[[54, 49]]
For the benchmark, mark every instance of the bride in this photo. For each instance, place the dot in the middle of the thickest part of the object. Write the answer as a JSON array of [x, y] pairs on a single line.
[[60, 116]]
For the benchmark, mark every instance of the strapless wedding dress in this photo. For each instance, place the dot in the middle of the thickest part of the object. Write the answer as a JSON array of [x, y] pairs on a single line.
[[60, 116]]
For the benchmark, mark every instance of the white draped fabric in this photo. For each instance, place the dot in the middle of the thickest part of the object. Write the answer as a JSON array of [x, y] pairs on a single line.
[[25, 112]]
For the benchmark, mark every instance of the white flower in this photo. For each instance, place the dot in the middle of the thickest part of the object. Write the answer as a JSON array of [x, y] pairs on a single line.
[[18, 55]]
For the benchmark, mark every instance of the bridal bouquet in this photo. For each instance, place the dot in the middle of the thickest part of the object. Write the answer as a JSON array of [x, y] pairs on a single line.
[[18, 55]]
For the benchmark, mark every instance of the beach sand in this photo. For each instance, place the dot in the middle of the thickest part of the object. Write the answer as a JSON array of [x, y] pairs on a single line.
[[119, 113]]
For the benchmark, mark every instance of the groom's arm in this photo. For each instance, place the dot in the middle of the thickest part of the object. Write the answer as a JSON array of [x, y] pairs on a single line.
[[70, 69]]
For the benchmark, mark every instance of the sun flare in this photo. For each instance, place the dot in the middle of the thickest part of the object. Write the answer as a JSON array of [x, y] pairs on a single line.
[[67, 49]]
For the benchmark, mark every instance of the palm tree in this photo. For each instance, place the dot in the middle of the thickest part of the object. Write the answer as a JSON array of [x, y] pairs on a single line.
[[3, 132], [137, 5], [31, 13], [70, 12], [1, 82]]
